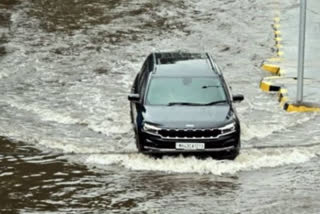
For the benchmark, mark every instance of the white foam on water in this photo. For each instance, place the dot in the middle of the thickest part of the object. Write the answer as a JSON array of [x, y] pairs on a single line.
[[3, 75], [249, 132], [277, 122], [70, 147], [45, 113], [95, 122], [252, 159]]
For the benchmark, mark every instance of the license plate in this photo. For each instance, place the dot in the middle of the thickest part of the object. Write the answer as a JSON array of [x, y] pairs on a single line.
[[190, 146]]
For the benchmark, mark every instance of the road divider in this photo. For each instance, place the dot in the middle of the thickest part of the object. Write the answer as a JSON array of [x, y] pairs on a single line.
[[274, 69], [276, 83]]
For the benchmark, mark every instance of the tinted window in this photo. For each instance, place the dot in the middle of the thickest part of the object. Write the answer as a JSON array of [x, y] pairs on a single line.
[[201, 90]]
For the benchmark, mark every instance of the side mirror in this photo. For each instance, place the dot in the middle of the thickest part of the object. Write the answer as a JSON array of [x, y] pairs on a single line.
[[134, 97], [238, 98]]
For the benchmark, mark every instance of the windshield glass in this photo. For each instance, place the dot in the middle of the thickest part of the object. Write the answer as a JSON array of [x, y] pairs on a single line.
[[193, 90]]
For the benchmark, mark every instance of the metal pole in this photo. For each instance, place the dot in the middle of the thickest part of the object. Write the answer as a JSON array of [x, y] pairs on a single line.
[[302, 35]]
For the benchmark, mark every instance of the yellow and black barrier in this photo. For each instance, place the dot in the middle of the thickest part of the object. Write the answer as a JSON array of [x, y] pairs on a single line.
[[274, 69], [300, 108], [267, 85]]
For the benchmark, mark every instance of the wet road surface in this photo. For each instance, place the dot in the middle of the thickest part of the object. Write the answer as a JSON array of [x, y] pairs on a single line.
[[67, 145]]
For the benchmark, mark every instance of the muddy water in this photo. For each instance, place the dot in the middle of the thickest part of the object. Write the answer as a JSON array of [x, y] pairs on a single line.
[[67, 145]]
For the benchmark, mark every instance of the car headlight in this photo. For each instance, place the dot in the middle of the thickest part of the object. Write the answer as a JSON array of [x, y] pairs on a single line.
[[229, 128], [150, 128]]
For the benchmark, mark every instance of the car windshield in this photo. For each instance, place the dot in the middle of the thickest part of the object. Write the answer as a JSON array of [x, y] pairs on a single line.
[[185, 91]]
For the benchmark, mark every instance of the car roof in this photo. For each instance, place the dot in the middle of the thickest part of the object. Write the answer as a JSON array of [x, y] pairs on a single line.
[[183, 64]]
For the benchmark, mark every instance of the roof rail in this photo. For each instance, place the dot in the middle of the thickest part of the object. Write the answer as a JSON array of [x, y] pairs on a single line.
[[163, 57]]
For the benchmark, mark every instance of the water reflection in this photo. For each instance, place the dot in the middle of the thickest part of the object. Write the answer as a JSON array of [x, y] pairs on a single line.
[[35, 181]]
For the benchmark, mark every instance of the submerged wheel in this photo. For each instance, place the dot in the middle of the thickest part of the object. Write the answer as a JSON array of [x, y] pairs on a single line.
[[138, 143], [233, 154]]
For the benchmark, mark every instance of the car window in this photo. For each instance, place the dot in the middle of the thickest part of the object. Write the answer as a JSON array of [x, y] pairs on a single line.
[[200, 90]]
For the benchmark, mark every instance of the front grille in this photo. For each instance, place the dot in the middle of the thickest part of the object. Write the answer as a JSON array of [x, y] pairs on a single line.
[[190, 133]]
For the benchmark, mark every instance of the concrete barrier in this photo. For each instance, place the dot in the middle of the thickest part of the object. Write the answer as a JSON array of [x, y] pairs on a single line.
[[282, 65]]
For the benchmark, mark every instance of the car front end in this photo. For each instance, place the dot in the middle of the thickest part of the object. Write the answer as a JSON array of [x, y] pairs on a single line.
[[161, 139]]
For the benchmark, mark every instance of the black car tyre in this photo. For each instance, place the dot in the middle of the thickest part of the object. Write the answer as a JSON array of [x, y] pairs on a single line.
[[233, 154], [138, 143]]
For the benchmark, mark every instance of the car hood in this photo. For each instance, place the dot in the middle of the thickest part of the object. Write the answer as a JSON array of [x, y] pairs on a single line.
[[188, 116]]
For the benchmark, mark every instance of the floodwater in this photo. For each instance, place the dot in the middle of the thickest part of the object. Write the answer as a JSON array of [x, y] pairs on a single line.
[[66, 68]]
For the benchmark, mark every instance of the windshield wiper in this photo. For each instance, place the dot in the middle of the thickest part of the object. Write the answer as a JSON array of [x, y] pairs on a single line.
[[215, 102], [196, 104], [211, 86], [184, 104]]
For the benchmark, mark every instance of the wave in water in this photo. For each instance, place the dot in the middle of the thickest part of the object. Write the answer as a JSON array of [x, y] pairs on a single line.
[[251, 159]]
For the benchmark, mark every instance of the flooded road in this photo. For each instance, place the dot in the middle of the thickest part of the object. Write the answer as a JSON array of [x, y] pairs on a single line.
[[67, 145]]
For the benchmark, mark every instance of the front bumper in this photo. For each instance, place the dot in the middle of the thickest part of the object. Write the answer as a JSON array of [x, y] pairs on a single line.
[[156, 144], [161, 150]]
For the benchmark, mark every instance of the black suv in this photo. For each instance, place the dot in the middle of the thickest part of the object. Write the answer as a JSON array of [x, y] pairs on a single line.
[[181, 103]]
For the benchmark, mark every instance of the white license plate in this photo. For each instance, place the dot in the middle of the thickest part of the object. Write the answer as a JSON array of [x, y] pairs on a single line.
[[190, 146]]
